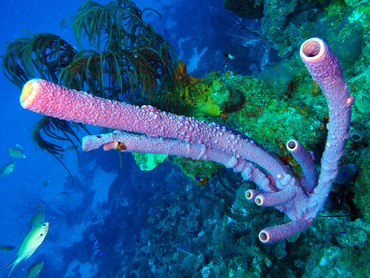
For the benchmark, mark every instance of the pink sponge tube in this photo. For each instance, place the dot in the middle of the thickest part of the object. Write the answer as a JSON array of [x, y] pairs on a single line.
[[128, 142], [274, 234], [49, 99], [325, 69]]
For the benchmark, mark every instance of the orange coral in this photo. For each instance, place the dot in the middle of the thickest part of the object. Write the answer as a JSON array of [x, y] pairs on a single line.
[[224, 116], [315, 89], [180, 73], [180, 69], [191, 79]]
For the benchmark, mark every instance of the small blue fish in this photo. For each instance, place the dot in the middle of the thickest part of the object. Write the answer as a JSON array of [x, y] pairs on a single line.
[[165, 31], [346, 173], [229, 56], [99, 254], [201, 181], [153, 211], [343, 233]]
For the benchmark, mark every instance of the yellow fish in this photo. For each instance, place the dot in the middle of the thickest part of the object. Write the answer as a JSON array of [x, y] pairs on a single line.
[[7, 169], [6, 248], [16, 153], [19, 147], [72, 148], [29, 245], [40, 207], [34, 270], [64, 22], [46, 183], [62, 194], [37, 219]]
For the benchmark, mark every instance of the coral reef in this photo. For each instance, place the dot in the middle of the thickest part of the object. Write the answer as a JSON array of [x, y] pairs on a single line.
[[211, 232]]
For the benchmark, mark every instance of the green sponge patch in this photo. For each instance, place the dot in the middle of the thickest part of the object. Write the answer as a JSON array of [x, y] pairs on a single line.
[[148, 161]]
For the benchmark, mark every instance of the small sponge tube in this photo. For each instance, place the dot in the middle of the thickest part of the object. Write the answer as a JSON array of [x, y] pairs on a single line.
[[274, 234]]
